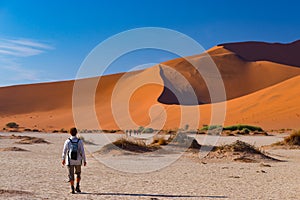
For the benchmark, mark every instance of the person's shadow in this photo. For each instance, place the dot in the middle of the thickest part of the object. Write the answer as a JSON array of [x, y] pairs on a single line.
[[153, 195]]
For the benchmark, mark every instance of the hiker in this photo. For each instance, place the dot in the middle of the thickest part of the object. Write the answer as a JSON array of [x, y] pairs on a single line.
[[130, 131], [73, 155]]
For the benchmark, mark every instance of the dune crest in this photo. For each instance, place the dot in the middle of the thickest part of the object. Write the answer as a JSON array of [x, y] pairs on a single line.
[[286, 54]]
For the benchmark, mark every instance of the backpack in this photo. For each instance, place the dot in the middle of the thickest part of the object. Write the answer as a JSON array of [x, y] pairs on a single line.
[[73, 152]]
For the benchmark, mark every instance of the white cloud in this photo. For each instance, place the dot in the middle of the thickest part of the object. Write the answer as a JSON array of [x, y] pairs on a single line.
[[22, 47], [31, 43], [12, 51]]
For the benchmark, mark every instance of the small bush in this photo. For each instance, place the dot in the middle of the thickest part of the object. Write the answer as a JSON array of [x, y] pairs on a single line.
[[141, 129], [110, 131], [186, 127], [148, 130], [227, 133], [238, 146], [201, 132], [183, 140], [241, 127], [211, 127], [246, 131], [63, 130], [293, 138], [12, 125], [159, 140], [132, 145], [85, 141]]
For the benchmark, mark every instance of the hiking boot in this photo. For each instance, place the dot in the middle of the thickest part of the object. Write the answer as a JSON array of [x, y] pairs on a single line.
[[73, 189], [78, 189]]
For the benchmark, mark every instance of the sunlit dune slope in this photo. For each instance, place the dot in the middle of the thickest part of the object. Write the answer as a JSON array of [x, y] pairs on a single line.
[[260, 90]]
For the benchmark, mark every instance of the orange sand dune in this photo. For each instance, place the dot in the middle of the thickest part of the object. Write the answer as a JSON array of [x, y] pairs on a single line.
[[275, 107], [240, 77], [260, 92]]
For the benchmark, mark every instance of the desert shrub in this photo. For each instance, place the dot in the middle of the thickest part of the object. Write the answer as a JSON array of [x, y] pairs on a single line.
[[172, 131], [110, 131], [85, 141], [237, 146], [246, 131], [12, 125], [293, 138], [131, 145], [141, 129], [148, 130], [241, 127], [186, 127], [259, 133], [211, 127], [183, 140], [240, 151], [63, 131], [27, 130], [200, 131], [227, 133], [159, 140]]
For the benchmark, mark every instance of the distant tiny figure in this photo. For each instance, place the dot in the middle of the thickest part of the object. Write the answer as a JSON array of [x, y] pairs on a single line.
[[72, 156], [130, 131]]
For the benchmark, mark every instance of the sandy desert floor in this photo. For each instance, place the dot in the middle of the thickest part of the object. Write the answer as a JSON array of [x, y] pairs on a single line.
[[38, 174]]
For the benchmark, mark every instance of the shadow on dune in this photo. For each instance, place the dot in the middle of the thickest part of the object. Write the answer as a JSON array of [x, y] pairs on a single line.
[[287, 54], [187, 82], [119, 194], [180, 90]]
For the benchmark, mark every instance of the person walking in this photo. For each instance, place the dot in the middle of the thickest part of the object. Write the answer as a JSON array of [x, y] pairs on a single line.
[[72, 156]]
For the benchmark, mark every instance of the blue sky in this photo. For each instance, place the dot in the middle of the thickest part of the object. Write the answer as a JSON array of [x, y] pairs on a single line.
[[48, 40]]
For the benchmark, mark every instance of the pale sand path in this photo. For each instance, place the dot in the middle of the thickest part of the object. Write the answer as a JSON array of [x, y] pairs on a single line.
[[39, 172]]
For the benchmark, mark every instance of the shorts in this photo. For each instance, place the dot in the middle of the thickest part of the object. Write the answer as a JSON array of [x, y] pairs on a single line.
[[71, 169]]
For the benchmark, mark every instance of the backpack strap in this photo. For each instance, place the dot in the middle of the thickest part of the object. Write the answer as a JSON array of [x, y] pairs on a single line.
[[74, 142]]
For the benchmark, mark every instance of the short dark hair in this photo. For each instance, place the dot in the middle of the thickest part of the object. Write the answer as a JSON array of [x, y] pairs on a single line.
[[73, 131]]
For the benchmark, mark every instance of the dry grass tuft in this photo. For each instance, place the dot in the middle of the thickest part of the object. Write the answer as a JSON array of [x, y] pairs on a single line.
[[238, 146], [239, 151], [88, 142], [159, 140], [183, 140], [291, 141], [131, 145], [293, 138]]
